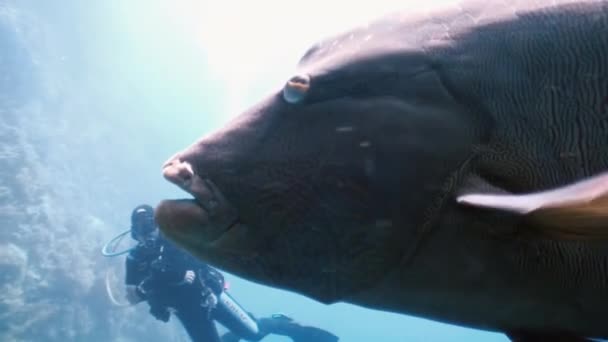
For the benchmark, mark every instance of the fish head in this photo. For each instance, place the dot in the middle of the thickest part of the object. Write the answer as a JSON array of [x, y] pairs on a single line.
[[320, 187]]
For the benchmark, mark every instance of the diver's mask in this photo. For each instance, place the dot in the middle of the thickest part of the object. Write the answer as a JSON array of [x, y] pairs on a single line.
[[149, 240], [144, 229]]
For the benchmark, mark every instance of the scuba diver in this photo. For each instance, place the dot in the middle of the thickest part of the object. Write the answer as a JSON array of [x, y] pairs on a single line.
[[173, 281]]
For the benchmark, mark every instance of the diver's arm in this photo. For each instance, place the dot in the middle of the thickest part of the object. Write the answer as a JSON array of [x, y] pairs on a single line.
[[134, 295], [133, 279], [132, 276]]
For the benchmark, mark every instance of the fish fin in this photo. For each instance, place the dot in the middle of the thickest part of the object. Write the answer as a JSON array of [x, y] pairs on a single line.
[[574, 211]]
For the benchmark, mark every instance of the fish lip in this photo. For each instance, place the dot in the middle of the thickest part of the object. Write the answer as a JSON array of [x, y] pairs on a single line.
[[181, 173], [187, 222], [221, 215]]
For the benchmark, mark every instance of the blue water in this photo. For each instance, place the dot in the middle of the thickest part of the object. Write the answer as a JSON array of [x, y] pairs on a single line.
[[94, 97]]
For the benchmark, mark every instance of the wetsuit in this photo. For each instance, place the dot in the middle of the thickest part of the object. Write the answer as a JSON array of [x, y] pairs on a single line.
[[158, 272]]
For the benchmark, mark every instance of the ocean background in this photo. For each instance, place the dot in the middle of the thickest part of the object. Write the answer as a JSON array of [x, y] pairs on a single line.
[[94, 97]]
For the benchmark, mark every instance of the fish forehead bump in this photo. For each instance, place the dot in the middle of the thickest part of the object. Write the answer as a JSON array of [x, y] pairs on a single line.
[[410, 29], [403, 29], [398, 33]]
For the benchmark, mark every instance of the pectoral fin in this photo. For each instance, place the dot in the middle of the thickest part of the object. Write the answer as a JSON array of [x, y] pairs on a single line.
[[574, 211]]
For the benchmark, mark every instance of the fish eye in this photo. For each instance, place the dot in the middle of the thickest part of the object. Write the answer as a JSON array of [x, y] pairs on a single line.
[[296, 88]]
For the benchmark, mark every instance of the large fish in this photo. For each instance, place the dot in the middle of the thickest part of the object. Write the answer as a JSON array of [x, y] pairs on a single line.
[[450, 165]]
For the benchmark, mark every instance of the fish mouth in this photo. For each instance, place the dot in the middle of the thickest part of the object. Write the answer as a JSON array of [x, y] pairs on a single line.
[[203, 219]]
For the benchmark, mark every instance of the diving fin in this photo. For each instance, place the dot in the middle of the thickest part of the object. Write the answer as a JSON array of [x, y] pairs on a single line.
[[575, 211]]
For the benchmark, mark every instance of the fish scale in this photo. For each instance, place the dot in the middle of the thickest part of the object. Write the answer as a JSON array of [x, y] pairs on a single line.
[[517, 109]]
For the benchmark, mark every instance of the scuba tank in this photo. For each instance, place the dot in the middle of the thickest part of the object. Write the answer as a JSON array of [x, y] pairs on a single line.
[[223, 307], [232, 316]]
